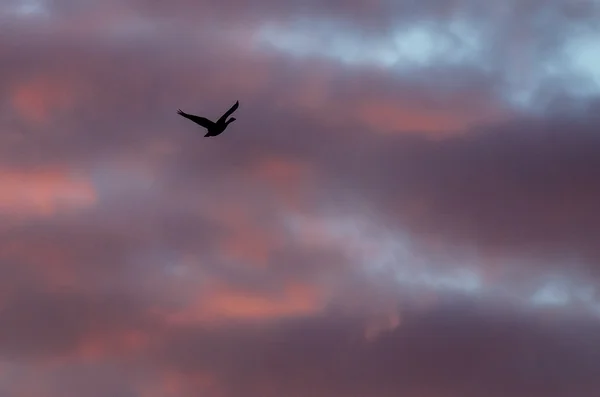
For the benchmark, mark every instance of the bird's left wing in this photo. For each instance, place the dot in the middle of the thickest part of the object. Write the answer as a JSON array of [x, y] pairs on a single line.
[[203, 121]]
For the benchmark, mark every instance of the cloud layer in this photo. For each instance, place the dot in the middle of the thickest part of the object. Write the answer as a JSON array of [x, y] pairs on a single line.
[[406, 204]]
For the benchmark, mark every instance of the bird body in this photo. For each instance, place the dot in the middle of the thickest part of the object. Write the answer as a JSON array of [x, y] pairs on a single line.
[[213, 128]]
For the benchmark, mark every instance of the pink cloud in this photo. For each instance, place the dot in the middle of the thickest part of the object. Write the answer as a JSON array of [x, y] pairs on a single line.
[[223, 303], [43, 193], [40, 99]]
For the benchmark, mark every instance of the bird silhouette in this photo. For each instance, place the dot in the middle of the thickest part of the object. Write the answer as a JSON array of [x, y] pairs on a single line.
[[213, 128]]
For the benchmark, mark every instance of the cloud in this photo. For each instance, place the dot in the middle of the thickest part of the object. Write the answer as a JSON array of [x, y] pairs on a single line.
[[81, 323], [223, 303], [522, 185], [33, 193], [515, 353], [406, 204], [38, 100]]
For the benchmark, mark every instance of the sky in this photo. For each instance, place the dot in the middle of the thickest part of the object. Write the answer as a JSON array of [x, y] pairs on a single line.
[[406, 205]]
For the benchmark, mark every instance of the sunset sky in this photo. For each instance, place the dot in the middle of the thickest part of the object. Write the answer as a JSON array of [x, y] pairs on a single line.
[[408, 204]]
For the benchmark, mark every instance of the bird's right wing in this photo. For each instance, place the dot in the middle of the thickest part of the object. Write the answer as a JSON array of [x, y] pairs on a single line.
[[203, 121], [228, 113]]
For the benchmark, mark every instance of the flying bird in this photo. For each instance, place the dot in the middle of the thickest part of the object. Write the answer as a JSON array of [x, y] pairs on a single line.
[[213, 128]]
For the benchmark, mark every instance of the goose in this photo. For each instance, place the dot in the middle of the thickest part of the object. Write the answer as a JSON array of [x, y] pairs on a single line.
[[213, 128]]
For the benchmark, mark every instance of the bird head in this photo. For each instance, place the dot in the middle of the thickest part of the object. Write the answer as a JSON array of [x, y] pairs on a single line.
[[231, 120]]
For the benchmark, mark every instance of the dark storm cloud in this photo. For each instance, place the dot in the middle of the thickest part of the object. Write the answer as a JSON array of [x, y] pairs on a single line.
[[456, 349]]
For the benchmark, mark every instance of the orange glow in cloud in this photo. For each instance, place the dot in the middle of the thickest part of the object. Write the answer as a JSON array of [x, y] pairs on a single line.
[[391, 116], [247, 241], [42, 193], [224, 303], [297, 300], [315, 94], [252, 246], [38, 99], [118, 342], [280, 170], [289, 178]]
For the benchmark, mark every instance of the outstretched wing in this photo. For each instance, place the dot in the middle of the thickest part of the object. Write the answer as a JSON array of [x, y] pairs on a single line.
[[228, 113], [203, 121]]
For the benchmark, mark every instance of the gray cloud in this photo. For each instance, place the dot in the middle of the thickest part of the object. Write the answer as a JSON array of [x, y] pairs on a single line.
[[456, 349]]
